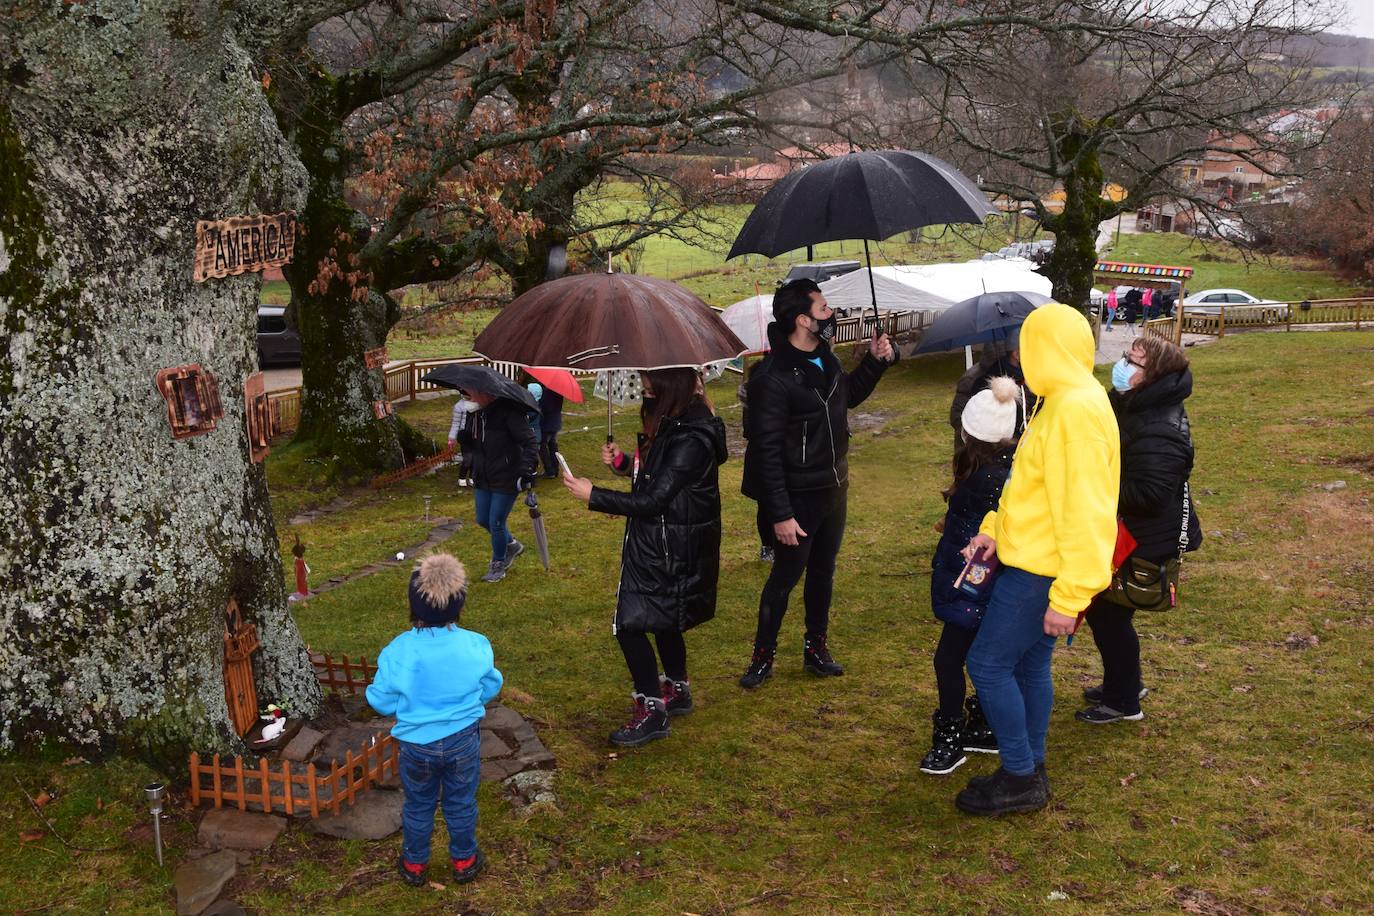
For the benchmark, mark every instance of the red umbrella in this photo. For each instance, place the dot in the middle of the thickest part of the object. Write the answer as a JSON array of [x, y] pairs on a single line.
[[559, 380]]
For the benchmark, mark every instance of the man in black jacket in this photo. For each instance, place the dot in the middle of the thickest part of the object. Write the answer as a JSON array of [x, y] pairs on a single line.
[[795, 465]]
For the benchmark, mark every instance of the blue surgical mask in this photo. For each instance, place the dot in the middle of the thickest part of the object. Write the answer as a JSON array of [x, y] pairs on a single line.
[[1122, 373]]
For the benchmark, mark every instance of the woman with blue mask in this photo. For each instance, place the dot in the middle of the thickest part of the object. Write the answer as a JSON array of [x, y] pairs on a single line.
[[1150, 382]]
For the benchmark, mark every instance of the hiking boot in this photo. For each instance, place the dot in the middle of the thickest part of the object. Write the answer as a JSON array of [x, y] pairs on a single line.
[[1094, 694], [1002, 793], [977, 734], [648, 722], [759, 670], [945, 754], [1102, 714], [765, 554], [513, 549], [414, 875], [464, 870], [677, 695], [1044, 779], [816, 658], [495, 572]]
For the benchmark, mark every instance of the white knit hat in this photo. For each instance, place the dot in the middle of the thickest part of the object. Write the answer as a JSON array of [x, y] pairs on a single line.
[[990, 415]]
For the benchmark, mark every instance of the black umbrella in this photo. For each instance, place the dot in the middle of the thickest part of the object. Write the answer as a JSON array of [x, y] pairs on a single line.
[[988, 317], [868, 196], [467, 377]]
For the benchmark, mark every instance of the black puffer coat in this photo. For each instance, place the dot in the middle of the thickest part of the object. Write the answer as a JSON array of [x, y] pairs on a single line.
[[799, 423], [1156, 459], [499, 446], [971, 500], [671, 559]]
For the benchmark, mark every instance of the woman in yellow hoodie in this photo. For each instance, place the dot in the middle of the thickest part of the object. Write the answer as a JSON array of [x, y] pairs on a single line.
[[1053, 532]]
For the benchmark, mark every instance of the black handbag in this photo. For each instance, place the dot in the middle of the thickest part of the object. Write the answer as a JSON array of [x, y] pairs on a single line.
[[1142, 585]]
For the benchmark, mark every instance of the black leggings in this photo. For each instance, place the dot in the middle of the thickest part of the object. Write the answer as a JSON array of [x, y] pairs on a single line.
[[950, 654], [1116, 639], [639, 656], [821, 515]]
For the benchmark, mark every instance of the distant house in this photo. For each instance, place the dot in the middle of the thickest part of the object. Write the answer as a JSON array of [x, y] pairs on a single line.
[[1166, 216], [753, 180], [1233, 163]]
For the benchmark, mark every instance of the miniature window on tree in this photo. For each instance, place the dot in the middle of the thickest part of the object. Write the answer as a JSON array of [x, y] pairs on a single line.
[[192, 396], [258, 411]]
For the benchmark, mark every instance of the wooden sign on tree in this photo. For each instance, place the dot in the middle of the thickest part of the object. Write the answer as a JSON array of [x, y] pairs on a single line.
[[228, 247]]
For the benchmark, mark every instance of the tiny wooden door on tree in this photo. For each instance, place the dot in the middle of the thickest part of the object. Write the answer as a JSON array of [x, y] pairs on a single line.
[[240, 693]]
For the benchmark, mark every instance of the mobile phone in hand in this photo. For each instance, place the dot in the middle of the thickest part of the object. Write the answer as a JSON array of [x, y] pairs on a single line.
[[563, 463]]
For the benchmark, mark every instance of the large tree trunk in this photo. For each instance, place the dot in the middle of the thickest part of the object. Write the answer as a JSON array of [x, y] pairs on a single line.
[[119, 128], [338, 314], [1070, 266]]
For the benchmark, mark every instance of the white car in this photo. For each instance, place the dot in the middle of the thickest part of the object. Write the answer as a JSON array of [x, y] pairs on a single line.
[[1225, 297]]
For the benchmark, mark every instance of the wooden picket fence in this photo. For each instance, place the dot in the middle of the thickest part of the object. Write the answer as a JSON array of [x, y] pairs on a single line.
[[342, 676], [267, 788], [1329, 312]]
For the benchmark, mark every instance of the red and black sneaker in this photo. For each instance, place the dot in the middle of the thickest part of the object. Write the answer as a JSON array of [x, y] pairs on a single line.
[[464, 870], [413, 874], [648, 723], [816, 658], [677, 695], [759, 670]]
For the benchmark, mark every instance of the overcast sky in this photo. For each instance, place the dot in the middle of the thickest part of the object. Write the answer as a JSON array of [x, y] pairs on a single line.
[[1361, 18]]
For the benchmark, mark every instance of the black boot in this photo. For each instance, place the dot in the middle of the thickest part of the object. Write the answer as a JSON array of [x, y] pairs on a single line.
[[677, 695], [760, 668], [1004, 793], [648, 722], [978, 736], [945, 754], [816, 658]]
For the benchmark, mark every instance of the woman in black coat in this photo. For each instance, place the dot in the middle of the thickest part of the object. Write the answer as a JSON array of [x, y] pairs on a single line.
[[500, 449], [1150, 384], [671, 556]]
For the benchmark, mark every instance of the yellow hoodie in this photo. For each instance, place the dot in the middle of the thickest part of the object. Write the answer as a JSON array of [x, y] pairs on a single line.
[[1057, 515]]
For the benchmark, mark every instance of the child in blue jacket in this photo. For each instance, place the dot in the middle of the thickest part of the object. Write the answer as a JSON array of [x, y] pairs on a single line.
[[436, 679], [981, 464]]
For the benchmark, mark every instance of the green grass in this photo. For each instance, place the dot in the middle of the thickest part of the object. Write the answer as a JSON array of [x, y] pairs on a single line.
[[1246, 788]]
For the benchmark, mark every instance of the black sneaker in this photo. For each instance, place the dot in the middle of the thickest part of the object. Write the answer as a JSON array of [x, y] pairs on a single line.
[[760, 668], [677, 695], [1044, 778], [977, 734], [765, 554], [465, 873], [1002, 793], [1102, 714], [1094, 694], [816, 658], [513, 550], [945, 754], [649, 722], [413, 878]]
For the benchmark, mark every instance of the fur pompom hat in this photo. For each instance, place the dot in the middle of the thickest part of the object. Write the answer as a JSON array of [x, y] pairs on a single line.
[[990, 415], [437, 590]]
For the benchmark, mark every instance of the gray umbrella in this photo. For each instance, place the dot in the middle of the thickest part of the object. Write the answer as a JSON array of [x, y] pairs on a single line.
[[541, 537], [466, 377]]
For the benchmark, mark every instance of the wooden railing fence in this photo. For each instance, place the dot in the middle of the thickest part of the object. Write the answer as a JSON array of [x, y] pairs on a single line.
[[1357, 311], [342, 675]]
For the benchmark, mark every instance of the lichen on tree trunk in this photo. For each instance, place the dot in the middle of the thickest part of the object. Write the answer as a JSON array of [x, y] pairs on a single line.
[[1070, 265], [119, 128]]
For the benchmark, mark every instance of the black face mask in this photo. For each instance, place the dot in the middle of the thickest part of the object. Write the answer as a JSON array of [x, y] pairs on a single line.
[[825, 329]]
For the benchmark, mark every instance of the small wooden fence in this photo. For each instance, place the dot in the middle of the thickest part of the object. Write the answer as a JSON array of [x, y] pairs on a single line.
[[1286, 315], [342, 676], [267, 788]]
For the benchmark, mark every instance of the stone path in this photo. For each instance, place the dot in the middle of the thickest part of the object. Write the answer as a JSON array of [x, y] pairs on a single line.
[[445, 529]]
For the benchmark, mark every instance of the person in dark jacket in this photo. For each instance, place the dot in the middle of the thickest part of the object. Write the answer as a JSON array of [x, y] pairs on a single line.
[[550, 425], [1000, 358], [981, 465], [500, 449], [671, 559], [796, 465], [1150, 384]]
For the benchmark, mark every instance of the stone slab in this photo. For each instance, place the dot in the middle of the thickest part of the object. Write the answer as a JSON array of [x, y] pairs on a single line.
[[198, 883], [374, 816], [502, 719], [303, 745], [339, 741], [493, 746], [497, 770], [229, 828], [225, 908]]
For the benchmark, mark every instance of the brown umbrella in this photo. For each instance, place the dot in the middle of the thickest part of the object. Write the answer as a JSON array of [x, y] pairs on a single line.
[[608, 321]]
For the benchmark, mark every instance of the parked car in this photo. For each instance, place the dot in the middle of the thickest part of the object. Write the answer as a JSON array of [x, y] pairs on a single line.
[[278, 341], [1236, 302], [1219, 297]]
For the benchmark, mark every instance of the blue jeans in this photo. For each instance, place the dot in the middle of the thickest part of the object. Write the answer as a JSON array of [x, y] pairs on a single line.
[[454, 764], [1009, 664], [492, 511], [1111, 316]]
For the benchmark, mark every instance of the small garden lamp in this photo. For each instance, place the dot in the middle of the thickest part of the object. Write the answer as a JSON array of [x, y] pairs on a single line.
[[154, 791]]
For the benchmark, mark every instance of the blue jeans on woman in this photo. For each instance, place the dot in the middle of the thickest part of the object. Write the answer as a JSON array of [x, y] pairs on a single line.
[[452, 764], [492, 511], [1009, 664]]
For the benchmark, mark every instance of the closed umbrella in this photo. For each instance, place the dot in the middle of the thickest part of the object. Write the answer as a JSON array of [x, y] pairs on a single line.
[[982, 319], [868, 195], [541, 536]]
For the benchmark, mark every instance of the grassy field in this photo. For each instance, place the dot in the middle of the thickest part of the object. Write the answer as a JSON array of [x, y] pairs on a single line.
[[1245, 789]]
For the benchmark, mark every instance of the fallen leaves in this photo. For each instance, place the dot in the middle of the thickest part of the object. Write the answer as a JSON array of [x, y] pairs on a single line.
[[1127, 780]]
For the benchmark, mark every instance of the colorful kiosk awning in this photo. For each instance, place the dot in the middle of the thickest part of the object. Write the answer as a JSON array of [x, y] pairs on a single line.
[[1153, 276]]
